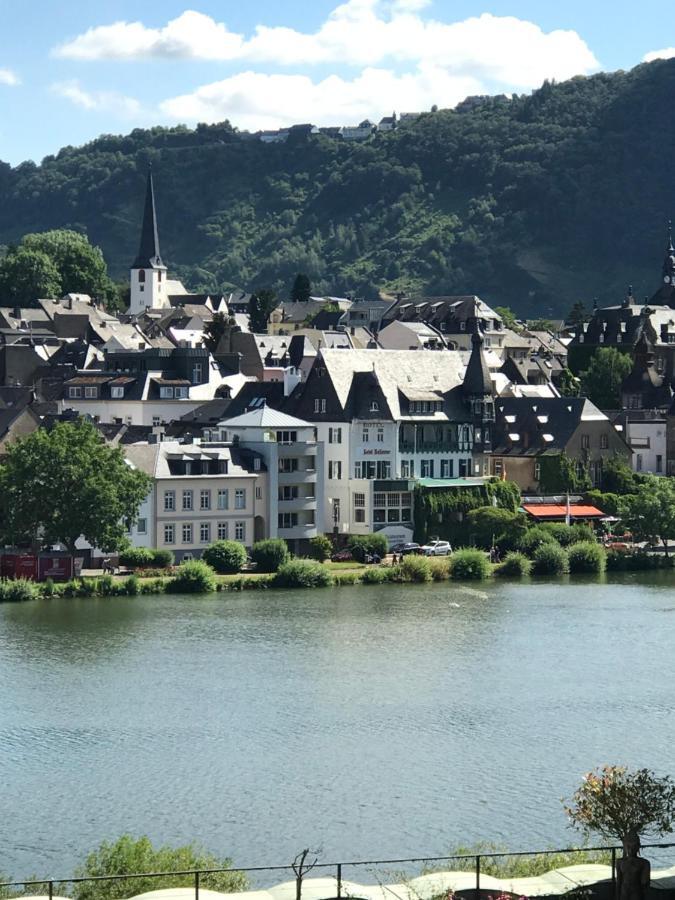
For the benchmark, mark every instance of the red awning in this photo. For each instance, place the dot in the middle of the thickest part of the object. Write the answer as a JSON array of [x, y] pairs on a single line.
[[559, 511]]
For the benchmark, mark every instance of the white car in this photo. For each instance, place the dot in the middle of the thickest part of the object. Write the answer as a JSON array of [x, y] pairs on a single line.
[[437, 548]]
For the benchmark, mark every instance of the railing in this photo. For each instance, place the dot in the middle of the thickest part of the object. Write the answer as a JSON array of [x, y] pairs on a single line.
[[197, 876]]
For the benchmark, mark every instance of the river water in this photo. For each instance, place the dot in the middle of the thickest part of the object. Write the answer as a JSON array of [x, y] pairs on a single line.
[[371, 721]]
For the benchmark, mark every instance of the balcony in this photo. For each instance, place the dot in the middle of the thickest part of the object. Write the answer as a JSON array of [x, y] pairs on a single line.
[[297, 448], [298, 531], [300, 476], [296, 504]]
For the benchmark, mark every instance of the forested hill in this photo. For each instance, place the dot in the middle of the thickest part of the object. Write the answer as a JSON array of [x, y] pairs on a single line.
[[533, 202]]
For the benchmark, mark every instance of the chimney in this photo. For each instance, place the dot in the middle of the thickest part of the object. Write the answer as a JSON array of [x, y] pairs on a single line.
[[16, 312], [292, 378]]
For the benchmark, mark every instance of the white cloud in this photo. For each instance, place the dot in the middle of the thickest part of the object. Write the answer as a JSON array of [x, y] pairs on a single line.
[[9, 78], [666, 53], [358, 33], [97, 101], [253, 100]]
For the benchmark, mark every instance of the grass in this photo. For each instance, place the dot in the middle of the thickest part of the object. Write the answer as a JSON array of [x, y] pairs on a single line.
[[517, 866]]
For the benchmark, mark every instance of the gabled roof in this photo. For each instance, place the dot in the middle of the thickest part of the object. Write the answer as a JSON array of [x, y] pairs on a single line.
[[265, 417]]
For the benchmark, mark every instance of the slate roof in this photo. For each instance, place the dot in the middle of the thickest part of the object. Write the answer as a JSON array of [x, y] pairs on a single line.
[[148, 256], [543, 425]]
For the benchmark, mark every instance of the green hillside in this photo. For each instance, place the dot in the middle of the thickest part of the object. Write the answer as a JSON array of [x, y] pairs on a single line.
[[533, 202]]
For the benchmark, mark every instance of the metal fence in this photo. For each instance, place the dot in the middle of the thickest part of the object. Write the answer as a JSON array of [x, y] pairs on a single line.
[[196, 878]]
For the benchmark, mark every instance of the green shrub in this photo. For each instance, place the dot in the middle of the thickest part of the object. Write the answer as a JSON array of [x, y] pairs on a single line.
[[193, 577], [77, 587], [617, 561], [162, 559], [549, 559], [533, 538], [17, 590], [569, 534], [469, 564], [514, 564], [440, 568], [246, 583], [320, 548], [226, 557], [136, 557], [491, 524], [154, 586], [374, 575], [270, 554], [362, 545], [302, 573], [342, 578], [416, 569], [48, 588], [587, 557], [106, 586], [131, 585]]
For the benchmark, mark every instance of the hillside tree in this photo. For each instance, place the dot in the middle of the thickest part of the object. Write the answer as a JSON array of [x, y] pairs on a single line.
[[260, 306], [302, 288], [601, 381]]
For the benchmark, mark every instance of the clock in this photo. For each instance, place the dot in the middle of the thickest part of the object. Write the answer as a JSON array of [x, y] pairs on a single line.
[[666, 279]]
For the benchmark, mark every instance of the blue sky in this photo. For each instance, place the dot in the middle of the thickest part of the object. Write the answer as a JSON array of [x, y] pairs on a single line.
[[73, 70]]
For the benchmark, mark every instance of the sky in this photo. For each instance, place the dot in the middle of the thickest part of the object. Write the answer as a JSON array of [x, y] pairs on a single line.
[[72, 70]]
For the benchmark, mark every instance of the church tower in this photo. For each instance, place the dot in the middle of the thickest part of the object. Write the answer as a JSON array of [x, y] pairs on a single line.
[[148, 272], [479, 396]]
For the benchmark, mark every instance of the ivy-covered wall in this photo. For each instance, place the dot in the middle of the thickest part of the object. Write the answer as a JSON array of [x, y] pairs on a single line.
[[560, 473], [440, 512]]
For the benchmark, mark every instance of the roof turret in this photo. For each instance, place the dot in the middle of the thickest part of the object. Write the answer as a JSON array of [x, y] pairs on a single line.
[[477, 381]]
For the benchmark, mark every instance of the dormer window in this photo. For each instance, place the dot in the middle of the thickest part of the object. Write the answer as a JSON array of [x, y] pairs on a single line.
[[374, 406], [116, 393], [462, 326]]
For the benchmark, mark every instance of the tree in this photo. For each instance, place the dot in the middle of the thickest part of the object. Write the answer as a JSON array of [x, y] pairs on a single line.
[[59, 484], [53, 263], [214, 330], [618, 477], [617, 803], [493, 526], [259, 308], [26, 276], [508, 316], [649, 513], [320, 547], [302, 288], [540, 325], [128, 855], [578, 314], [601, 381], [568, 384]]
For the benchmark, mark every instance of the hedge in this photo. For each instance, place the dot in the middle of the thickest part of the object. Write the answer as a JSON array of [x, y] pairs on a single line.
[[303, 573], [226, 557], [270, 554], [549, 559], [194, 577], [469, 565]]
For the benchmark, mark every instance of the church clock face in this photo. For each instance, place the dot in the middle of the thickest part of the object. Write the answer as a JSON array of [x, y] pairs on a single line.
[[666, 279]]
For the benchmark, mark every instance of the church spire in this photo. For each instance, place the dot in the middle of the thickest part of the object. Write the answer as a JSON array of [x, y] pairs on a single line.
[[148, 249], [477, 381]]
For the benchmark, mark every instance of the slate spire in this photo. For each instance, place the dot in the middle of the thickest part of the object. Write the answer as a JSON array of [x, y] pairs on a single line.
[[148, 249], [477, 381]]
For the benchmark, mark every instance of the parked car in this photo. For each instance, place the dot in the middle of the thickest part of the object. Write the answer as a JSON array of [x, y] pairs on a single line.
[[407, 549], [436, 548], [342, 556]]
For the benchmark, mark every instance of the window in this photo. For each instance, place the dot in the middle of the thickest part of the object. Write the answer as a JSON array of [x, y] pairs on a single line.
[[357, 470], [359, 500], [604, 441], [585, 441], [380, 434], [142, 524], [205, 532], [240, 531], [91, 393], [240, 498], [288, 465], [320, 405], [187, 532], [427, 468], [537, 471], [323, 406], [379, 515], [287, 437], [156, 420], [498, 468], [334, 470], [634, 401], [407, 468], [365, 435], [393, 515], [197, 370], [169, 534], [379, 499], [223, 498], [360, 515], [334, 435], [383, 470], [223, 531], [141, 277], [659, 463], [74, 392], [117, 393], [374, 406], [463, 468], [258, 493], [205, 499], [447, 468], [169, 501], [187, 499], [638, 462], [288, 492], [165, 393], [287, 520]]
